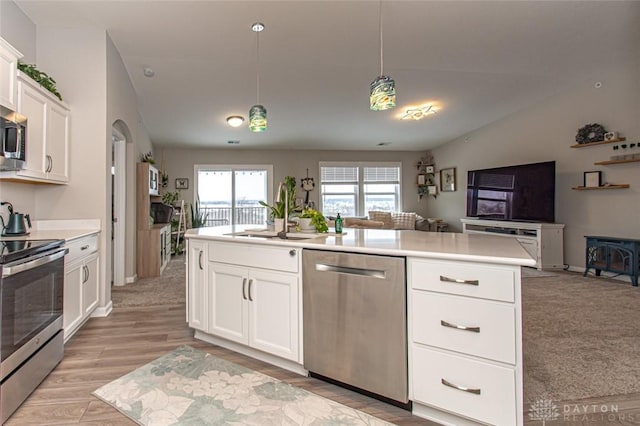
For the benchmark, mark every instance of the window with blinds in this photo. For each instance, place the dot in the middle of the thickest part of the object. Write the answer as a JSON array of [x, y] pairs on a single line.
[[355, 189]]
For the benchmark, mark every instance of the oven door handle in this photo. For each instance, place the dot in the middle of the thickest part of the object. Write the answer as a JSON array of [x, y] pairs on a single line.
[[48, 257]]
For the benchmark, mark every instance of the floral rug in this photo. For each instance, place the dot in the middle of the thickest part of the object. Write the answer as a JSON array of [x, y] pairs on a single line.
[[191, 387]]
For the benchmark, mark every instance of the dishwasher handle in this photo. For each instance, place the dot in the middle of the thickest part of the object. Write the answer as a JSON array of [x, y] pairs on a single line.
[[371, 273]]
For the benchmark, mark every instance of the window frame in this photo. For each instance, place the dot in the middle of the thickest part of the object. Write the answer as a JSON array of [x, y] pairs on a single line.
[[360, 193], [197, 168]]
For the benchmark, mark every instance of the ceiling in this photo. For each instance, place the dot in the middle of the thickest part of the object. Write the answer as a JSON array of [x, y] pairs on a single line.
[[475, 61]]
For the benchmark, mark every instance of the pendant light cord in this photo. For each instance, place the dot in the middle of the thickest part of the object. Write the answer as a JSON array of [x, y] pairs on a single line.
[[258, 67], [380, 30]]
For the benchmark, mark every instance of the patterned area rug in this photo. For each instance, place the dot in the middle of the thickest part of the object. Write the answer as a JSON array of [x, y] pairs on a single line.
[[191, 387]]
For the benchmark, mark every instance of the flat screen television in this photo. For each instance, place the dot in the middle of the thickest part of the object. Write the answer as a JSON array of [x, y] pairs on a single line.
[[521, 193]]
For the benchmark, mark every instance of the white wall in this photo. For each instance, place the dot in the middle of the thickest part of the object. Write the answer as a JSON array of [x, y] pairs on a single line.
[[18, 30], [545, 132], [179, 164], [122, 108]]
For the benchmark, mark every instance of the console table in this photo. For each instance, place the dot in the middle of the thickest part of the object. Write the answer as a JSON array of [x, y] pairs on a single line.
[[543, 241], [610, 254]]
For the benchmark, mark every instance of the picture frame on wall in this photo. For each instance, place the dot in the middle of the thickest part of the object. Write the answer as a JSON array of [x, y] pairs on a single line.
[[448, 179], [429, 169], [182, 183], [592, 179], [432, 190], [422, 179]]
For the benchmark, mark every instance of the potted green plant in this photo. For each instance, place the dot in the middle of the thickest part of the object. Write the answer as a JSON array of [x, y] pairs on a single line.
[[311, 219], [198, 218], [170, 198], [276, 210]]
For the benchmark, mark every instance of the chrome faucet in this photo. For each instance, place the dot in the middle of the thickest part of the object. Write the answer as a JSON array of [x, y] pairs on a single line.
[[285, 223]]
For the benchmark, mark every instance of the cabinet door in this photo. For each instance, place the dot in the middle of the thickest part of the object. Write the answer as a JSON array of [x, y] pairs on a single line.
[[273, 313], [197, 291], [57, 143], [8, 69], [72, 310], [228, 302], [33, 105], [90, 285]]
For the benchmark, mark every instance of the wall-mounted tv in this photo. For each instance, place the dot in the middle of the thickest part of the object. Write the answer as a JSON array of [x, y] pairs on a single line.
[[524, 192]]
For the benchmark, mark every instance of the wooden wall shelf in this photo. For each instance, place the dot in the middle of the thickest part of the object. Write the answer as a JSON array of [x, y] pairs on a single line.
[[588, 188], [607, 162], [584, 145]]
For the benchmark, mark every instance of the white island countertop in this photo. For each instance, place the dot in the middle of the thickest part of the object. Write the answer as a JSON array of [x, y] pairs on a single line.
[[434, 245]]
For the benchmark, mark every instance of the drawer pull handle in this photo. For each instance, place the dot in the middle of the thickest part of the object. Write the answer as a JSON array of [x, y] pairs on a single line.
[[84, 247], [244, 288], [462, 388], [459, 327], [458, 281]]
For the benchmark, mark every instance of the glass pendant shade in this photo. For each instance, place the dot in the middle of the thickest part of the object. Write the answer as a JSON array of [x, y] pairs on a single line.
[[382, 93], [258, 118]]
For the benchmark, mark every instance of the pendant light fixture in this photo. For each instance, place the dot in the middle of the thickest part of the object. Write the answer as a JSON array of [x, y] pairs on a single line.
[[257, 113], [382, 91]]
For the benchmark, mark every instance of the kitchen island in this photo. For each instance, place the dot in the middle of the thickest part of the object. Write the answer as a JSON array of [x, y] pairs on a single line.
[[463, 307]]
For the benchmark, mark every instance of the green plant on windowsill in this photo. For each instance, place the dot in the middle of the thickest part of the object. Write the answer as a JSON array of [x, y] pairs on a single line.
[[317, 219], [40, 77]]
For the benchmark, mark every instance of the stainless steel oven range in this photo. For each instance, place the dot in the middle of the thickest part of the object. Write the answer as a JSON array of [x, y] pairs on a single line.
[[31, 337]]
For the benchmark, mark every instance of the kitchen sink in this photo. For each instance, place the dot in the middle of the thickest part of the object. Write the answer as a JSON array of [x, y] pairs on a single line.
[[272, 235]]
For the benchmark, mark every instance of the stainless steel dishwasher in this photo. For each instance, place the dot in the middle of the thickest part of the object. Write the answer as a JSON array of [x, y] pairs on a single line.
[[355, 320]]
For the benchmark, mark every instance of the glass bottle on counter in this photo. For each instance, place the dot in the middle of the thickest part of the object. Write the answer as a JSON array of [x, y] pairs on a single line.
[[338, 224]]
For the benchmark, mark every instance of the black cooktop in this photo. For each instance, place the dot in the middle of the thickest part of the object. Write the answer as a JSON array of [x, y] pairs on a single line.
[[11, 250]]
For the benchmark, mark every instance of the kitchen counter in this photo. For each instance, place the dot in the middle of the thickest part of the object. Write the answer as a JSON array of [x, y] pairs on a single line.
[[67, 230], [434, 245]]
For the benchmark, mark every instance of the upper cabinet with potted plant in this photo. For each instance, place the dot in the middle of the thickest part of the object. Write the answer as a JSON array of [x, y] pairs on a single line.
[[48, 125]]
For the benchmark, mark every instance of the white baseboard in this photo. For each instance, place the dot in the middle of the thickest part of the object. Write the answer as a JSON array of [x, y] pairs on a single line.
[[103, 311], [131, 280]]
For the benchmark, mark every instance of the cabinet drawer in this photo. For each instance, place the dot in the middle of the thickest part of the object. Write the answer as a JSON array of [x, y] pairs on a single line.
[[474, 280], [80, 248], [494, 400], [268, 257], [490, 325]]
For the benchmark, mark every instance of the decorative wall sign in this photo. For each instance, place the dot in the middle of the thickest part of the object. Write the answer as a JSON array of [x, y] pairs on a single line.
[[448, 179], [182, 183]]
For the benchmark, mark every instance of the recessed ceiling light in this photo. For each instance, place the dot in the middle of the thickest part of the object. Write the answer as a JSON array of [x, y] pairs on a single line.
[[148, 72], [235, 120], [233, 142]]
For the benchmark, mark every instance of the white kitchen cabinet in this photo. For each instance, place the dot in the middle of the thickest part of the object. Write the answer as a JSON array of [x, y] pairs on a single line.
[[197, 312], [255, 307], [81, 283], [465, 341], [8, 75], [48, 130]]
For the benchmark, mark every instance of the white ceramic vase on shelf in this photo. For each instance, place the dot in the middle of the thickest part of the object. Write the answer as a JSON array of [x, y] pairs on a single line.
[[304, 223]]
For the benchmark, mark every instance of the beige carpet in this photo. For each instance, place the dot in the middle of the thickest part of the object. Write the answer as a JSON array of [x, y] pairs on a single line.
[[168, 289], [581, 335]]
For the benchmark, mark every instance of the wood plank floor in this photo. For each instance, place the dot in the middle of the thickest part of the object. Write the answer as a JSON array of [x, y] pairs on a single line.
[[107, 348]]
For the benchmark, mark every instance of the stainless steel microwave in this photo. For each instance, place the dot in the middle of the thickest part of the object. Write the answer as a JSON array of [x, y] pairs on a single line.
[[13, 134]]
